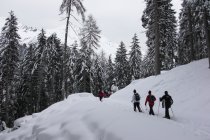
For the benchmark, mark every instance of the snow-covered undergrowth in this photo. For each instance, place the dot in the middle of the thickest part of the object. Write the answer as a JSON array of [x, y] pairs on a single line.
[[83, 117]]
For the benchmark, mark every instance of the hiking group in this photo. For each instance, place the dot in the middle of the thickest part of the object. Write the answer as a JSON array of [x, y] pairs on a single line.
[[166, 100]]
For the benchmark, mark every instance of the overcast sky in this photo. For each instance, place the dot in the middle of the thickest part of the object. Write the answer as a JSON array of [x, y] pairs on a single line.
[[118, 19]]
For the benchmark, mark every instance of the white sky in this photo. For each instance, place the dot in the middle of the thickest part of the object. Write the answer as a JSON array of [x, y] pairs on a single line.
[[118, 19]]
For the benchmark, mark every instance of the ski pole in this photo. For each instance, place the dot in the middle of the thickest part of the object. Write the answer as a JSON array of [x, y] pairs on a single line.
[[158, 108], [172, 112], [147, 109], [141, 107]]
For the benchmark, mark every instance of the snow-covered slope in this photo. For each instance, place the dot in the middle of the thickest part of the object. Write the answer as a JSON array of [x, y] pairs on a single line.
[[29, 35], [83, 117]]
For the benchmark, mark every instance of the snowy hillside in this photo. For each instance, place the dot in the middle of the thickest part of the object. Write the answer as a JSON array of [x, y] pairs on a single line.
[[29, 35], [83, 117]]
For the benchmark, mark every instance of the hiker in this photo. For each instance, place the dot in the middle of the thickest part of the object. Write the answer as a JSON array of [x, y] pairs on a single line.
[[114, 88], [2, 125], [151, 100], [167, 102], [100, 94], [136, 101]]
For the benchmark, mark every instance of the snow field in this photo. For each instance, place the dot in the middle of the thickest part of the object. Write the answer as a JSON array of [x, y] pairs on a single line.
[[83, 117]]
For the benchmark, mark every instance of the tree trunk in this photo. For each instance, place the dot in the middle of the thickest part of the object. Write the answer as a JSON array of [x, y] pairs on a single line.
[[7, 105], [157, 40], [207, 31], [192, 56], [64, 57]]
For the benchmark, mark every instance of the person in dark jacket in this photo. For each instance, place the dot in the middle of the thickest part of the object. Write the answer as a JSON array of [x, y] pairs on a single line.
[[151, 100], [101, 94], [167, 101], [136, 101]]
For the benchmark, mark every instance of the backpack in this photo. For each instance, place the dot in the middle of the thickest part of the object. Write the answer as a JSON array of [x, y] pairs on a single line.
[[152, 98], [171, 101], [137, 97]]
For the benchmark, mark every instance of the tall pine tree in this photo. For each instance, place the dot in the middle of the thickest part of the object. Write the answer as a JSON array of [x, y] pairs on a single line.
[[159, 21], [9, 64], [135, 58], [123, 77]]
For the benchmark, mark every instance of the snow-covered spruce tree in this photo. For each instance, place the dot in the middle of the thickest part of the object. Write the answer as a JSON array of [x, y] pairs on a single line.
[[186, 49], [71, 61], [104, 64], [201, 13], [74, 56], [9, 63], [159, 20], [168, 42], [193, 40], [135, 58], [82, 72], [26, 100], [54, 73], [39, 73], [150, 21], [97, 72], [67, 7], [110, 73], [122, 72]]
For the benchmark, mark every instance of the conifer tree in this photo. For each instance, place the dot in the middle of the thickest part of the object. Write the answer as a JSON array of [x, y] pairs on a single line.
[[74, 64], [97, 72], [135, 58], [26, 100], [110, 73], [194, 31], [90, 34], [201, 13], [54, 73], [123, 77], [39, 73], [186, 49], [159, 21], [82, 72], [9, 63]]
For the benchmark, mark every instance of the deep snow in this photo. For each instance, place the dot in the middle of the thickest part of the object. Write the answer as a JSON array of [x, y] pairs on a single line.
[[83, 117]]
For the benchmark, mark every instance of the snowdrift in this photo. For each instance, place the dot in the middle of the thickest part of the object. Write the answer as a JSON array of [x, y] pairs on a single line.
[[83, 117]]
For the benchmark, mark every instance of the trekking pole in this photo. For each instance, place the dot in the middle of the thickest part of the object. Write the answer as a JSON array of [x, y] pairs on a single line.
[[158, 108], [172, 112], [141, 108], [147, 109]]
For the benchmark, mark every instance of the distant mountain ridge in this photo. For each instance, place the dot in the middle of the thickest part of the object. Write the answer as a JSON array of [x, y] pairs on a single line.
[[29, 35]]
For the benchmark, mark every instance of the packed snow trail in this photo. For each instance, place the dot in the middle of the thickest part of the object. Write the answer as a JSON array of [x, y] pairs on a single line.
[[83, 117]]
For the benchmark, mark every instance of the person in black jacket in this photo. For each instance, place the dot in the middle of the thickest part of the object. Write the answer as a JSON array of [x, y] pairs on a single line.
[[168, 101]]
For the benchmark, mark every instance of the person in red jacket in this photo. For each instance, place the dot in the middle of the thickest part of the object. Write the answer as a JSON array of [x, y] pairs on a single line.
[[151, 100], [101, 94]]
